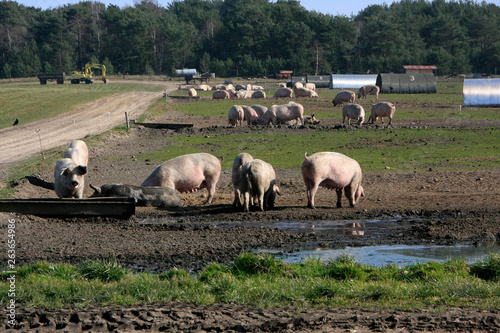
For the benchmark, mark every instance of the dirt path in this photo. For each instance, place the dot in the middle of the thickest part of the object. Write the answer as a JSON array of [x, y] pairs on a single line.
[[22, 142]]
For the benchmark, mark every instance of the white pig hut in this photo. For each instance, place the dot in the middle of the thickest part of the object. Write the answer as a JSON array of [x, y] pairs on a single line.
[[351, 81], [481, 92]]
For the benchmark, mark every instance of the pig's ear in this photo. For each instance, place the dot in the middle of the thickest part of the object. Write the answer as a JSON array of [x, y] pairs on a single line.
[[95, 188], [81, 170], [65, 172]]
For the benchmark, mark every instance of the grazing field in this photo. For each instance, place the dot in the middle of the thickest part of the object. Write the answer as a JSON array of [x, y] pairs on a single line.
[[435, 172]]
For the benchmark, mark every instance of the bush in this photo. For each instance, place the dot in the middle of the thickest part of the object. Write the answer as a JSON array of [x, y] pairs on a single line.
[[106, 271], [488, 270], [345, 268], [249, 264]]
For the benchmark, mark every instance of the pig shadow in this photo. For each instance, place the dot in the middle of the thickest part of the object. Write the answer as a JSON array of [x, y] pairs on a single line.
[[33, 180]]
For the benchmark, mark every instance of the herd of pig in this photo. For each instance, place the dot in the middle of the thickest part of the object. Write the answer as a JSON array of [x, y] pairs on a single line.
[[293, 113], [254, 180]]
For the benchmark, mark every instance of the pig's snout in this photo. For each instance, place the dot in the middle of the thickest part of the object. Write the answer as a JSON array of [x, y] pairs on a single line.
[[74, 183]]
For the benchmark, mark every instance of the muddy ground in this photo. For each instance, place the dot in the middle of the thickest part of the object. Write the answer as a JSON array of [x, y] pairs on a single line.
[[436, 208]]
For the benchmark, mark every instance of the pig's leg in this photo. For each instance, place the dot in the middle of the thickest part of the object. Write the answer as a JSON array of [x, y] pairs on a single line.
[[349, 193], [211, 183], [261, 202], [339, 198], [246, 202], [237, 202], [311, 192]]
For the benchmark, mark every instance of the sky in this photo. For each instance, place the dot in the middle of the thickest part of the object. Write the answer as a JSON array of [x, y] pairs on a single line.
[[342, 7]]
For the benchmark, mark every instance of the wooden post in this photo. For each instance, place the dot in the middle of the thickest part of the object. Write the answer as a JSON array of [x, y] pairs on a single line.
[[166, 97], [40, 139], [126, 120]]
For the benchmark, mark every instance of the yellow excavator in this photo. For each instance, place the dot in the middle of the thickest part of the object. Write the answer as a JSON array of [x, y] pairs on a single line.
[[86, 74]]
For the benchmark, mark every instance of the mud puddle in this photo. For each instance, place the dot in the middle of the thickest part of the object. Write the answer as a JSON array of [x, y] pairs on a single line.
[[376, 256], [400, 255]]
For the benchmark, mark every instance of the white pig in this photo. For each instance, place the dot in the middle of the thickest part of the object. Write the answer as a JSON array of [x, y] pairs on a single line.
[[283, 113], [382, 109], [69, 172], [250, 115], [258, 180], [187, 173], [240, 160], [353, 111], [334, 171], [235, 116], [260, 109]]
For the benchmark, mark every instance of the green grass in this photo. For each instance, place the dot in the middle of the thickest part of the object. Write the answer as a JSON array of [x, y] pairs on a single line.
[[261, 280], [30, 102], [376, 150]]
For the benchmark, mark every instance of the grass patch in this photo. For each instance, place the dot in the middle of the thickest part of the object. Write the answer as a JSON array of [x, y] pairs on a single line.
[[30, 102], [261, 280]]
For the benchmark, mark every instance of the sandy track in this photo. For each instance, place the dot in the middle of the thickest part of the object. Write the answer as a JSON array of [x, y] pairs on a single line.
[[25, 141]]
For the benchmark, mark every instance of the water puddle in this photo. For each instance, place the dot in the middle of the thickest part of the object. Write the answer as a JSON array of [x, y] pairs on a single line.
[[376, 256], [400, 255]]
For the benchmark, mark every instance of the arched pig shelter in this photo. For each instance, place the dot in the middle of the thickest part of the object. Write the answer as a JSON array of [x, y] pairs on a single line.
[[482, 92], [417, 83]]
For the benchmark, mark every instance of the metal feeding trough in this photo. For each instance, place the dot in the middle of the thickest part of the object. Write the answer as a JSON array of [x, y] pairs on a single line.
[[110, 207], [164, 125]]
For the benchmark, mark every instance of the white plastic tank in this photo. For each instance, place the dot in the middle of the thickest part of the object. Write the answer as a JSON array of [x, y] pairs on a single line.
[[185, 71]]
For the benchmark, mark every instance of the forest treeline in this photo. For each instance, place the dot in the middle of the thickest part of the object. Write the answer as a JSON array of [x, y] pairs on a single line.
[[249, 38]]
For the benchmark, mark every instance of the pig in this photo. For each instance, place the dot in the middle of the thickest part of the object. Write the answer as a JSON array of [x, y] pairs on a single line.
[[235, 116], [283, 113], [239, 94], [70, 171], [311, 120], [240, 160], [258, 94], [304, 92], [232, 93], [333, 171], [310, 85], [156, 196], [187, 173], [382, 109], [192, 92], [344, 96], [204, 87], [220, 94], [298, 85], [369, 89], [258, 180], [260, 109], [283, 93], [353, 111], [250, 115]]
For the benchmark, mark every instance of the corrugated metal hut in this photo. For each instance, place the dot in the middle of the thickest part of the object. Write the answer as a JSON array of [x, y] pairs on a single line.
[[301, 79], [481, 92], [351, 81], [321, 81], [417, 83]]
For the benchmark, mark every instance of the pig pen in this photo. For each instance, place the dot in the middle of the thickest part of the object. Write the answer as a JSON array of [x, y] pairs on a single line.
[[157, 240]]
